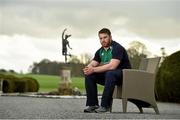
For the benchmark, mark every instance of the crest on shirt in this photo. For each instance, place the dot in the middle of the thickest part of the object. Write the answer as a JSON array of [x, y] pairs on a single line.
[[111, 47]]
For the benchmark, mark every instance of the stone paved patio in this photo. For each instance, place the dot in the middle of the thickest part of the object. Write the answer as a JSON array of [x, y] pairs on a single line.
[[18, 107]]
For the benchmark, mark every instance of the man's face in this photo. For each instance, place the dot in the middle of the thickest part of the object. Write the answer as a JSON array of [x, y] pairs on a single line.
[[105, 39]]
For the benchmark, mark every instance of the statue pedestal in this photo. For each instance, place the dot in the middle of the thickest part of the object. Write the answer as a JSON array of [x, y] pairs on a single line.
[[66, 77], [65, 83]]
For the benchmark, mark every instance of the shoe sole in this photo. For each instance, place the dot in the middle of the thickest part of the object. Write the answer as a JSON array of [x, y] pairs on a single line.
[[90, 111], [102, 112]]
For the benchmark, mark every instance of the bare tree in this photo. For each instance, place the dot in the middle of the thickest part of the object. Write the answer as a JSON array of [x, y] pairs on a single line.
[[136, 51]]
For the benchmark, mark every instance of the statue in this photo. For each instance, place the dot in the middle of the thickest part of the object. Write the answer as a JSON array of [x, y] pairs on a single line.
[[65, 43], [65, 87]]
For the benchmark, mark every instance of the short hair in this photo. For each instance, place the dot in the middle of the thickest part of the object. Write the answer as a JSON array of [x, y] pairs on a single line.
[[105, 30]]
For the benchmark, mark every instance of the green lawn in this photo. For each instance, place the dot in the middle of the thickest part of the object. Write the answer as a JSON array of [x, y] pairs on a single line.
[[50, 82]]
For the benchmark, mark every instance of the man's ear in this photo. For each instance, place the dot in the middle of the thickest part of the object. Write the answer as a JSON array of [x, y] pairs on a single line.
[[111, 37]]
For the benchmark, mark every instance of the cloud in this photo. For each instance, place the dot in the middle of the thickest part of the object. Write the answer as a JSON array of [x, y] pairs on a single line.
[[18, 52], [162, 29], [153, 19], [30, 30]]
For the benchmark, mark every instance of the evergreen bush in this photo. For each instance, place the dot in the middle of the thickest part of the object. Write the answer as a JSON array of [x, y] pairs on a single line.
[[33, 85], [168, 79], [14, 84], [21, 86], [9, 83]]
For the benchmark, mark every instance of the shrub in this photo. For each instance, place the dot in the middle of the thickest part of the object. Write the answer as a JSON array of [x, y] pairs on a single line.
[[15, 84], [168, 79], [9, 83], [20, 86], [33, 85]]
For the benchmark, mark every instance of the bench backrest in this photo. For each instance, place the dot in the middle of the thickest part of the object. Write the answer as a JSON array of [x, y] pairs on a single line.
[[149, 64]]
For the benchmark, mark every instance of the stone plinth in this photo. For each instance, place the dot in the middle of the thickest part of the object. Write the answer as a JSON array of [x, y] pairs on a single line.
[[66, 78], [65, 83]]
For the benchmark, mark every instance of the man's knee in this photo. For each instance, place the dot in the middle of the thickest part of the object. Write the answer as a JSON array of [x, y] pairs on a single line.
[[110, 74], [88, 76], [114, 76]]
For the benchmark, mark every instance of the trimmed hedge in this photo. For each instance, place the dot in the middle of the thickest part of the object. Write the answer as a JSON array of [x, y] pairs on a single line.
[[168, 79], [9, 83], [14, 84], [33, 85]]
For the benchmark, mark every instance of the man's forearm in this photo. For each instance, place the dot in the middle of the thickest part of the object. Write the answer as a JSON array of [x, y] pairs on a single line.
[[103, 68], [113, 64], [93, 64], [90, 65]]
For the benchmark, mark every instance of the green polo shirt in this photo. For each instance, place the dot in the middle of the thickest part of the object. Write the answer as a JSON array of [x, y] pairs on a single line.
[[116, 51], [106, 55]]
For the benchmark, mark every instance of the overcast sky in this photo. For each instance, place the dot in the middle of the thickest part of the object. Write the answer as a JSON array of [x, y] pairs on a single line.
[[30, 30]]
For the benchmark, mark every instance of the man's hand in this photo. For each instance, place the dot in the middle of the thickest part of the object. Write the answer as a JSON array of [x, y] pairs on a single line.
[[88, 70]]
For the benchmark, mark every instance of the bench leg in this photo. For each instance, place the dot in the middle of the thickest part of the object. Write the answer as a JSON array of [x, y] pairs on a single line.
[[156, 110], [124, 104]]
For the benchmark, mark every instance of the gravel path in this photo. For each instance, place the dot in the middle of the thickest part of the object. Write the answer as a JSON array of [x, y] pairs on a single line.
[[48, 108]]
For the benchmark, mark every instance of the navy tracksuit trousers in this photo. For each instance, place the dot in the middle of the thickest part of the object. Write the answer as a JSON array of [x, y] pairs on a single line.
[[109, 79]]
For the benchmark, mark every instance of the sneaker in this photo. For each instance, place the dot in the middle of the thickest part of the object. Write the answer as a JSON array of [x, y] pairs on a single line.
[[102, 110], [91, 109]]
